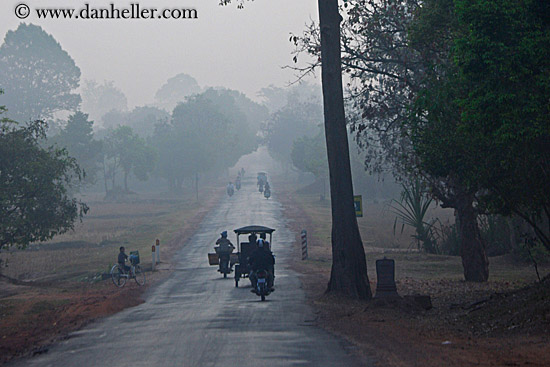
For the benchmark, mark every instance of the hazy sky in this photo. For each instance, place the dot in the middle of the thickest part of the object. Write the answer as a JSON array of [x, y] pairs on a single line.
[[239, 49]]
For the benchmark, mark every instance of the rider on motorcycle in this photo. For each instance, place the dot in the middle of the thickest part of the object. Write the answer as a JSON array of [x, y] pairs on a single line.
[[224, 244], [262, 259], [225, 248], [230, 188], [267, 190]]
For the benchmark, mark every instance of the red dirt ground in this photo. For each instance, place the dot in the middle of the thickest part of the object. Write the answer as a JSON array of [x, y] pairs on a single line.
[[499, 332], [40, 315], [33, 315]]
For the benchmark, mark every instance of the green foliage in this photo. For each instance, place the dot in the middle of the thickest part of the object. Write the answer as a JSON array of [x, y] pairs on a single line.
[[99, 99], [125, 151], [434, 121], [244, 117], [78, 138], [249, 115], [449, 240], [175, 90], [171, 155], [207, 132], [141, 119], [532, 251], [296, 119], [411, 211], [503, 57], [309, 154], [34, 181], [483, 117], [37, 75], [276, 98], [496, 233]]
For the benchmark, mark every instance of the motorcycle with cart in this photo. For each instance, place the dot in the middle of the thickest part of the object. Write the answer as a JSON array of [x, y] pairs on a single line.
[[245, 249], [224, 258]]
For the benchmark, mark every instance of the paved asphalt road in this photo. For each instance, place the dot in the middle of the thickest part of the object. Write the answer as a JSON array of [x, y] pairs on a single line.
[[197, 318]]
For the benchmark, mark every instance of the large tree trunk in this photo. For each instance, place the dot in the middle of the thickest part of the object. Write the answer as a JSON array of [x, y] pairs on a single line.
[[171, 184], [349, 268], [472, 246], [105, 177], [197, 185], [178, 186], [113, 172], [126, 181]]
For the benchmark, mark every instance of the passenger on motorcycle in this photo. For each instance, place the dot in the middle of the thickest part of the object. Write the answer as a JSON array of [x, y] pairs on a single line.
[[262, 259], [265, 242]]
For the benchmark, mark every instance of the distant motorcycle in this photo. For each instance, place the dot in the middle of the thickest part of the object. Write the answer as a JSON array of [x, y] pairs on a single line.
[[262, 181], [262, 289], [222, 259], [225, 267]]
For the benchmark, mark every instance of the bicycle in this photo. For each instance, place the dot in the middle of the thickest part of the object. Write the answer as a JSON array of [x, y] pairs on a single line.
[[119, 275]]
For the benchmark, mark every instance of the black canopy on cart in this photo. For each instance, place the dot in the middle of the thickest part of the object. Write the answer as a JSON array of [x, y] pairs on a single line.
[[255, 229]]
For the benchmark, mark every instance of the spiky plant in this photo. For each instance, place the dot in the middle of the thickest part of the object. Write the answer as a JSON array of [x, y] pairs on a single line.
[[411, 210]]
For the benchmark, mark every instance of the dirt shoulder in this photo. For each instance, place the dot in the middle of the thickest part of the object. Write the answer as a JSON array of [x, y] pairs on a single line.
[[498, 323], [34, 314]]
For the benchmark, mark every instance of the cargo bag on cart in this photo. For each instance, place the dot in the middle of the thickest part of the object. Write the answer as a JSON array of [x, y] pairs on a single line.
[[213, 259]]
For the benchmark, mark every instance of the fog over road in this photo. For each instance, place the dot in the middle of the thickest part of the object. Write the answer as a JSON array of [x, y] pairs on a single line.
[[197, 318]]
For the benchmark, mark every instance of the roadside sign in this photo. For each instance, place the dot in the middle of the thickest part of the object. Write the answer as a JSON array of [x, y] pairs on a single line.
[[358, 204]]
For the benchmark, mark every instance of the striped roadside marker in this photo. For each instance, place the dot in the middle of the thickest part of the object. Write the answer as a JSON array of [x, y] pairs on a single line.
[[304, 244]]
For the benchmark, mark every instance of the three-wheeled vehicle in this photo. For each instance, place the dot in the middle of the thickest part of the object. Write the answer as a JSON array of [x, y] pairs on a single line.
[[245, 249]]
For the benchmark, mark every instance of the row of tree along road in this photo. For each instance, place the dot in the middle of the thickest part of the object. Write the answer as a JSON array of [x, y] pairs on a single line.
[[450, 96], [46, 159], [453, 94]]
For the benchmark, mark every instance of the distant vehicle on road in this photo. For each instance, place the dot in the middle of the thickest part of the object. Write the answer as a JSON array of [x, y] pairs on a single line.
[[267, 190], [230, 189], [262, 180]]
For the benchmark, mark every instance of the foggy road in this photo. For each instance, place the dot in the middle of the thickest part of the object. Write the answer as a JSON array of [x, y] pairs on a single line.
[[197, 318]]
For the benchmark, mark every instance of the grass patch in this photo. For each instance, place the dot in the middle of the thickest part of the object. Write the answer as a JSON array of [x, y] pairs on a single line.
[[92, 247], [379, 240]]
